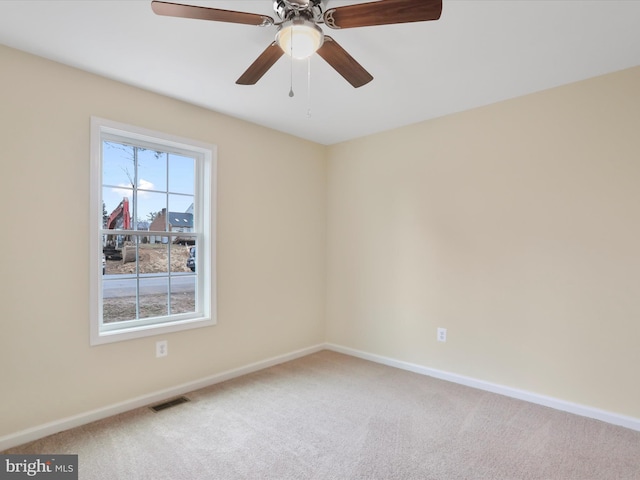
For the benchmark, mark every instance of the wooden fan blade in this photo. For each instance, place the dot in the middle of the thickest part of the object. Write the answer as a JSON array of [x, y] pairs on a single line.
[[343, 63], [261, 65], [383, 12], [205, 13]]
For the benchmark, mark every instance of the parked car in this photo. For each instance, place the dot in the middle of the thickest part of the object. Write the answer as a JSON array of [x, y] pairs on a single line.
[[104, 264], [191, 261]]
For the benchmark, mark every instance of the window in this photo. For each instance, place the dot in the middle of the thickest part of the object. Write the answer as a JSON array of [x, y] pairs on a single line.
[[152, 207]]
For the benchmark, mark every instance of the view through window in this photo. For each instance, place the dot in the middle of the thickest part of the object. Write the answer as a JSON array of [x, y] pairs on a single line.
[[154, 232]]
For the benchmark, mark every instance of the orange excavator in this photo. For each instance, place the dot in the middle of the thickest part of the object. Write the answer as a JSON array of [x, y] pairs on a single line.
[[119, 219]]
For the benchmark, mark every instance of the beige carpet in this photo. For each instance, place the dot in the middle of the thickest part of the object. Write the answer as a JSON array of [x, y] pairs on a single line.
[[330, 416]]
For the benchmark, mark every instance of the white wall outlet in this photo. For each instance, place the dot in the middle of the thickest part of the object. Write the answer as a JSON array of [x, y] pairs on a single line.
[[442, 334], [162, 348]]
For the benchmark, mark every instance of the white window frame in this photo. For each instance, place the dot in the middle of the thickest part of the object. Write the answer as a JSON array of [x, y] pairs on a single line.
[[204, 225]]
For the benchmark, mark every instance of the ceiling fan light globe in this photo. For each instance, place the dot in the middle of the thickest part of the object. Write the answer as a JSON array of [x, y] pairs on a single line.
[[299, 38]]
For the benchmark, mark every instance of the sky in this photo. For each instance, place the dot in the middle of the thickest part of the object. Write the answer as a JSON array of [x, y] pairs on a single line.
[[164, 180]]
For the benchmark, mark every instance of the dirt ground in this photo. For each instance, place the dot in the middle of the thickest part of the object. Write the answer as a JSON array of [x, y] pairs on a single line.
[[124, 308], [152, 259]]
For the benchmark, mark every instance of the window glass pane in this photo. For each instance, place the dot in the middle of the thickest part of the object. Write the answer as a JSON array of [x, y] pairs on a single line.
[[154, 296], [104, 214], [119, 298], [181, 259], [118, 165], [129, 256], [153, 258], [116, 208], [181, 174], [183, 294], [111, 251], [152, 170], [150, 210], [143, 226], [181, 209], [112, 246]]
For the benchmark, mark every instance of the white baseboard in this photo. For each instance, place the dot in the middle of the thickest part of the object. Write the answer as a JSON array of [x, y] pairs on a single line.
[[577, 409], [40, 431]]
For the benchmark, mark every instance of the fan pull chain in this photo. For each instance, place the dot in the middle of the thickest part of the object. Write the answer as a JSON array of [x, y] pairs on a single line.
[[291, 70], [291, 80], [309, 87]]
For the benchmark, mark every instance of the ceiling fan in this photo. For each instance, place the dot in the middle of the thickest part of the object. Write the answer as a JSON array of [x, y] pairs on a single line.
[[299, 34]]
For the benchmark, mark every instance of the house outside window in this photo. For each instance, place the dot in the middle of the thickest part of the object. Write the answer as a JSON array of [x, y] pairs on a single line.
[[152, 203], [175, 222]]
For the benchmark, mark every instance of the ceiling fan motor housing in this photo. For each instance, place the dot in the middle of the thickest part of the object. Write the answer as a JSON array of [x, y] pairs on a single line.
[[312, 10]]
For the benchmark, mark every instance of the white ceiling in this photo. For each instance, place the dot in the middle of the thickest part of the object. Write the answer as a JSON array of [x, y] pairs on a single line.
[[479, 52]]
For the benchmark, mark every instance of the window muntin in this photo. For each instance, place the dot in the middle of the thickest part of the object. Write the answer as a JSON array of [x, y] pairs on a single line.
[[154, 203]]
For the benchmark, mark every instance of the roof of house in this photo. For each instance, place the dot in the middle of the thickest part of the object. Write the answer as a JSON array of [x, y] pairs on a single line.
[[179, 219]]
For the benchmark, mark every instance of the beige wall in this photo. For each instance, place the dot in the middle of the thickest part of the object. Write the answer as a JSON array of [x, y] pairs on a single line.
[[515, 226], [271, 244]]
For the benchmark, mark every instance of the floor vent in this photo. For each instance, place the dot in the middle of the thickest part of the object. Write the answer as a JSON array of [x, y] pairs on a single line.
[[169, 404]]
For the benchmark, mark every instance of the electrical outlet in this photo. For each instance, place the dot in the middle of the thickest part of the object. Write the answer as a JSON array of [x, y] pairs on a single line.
[[442, 334], [162, 348]]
